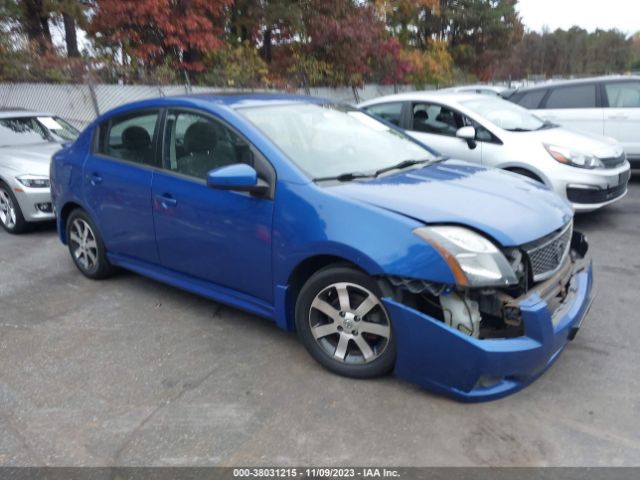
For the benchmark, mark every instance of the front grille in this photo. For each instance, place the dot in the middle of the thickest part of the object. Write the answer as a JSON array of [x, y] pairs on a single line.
[[587, 195], [547, 254], [612, 162]]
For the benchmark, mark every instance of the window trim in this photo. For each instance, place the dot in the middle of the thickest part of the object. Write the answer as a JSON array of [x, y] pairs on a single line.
[[605, 95], [551, 89], [258, 156], [402, 119], [97, 133], [541, 102], [494, 138]]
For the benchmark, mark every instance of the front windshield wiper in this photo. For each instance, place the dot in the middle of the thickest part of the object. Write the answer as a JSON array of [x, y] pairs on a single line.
[[350, 176], [408, 163], [345, 177]]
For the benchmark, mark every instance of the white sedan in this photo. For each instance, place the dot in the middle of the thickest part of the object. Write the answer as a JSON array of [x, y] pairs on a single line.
[[590, 171]]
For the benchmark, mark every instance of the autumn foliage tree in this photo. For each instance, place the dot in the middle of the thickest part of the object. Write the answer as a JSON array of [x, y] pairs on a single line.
[[152, 33]]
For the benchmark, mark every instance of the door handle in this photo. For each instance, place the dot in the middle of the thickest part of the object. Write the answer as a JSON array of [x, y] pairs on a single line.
[[617, 117], [95, 179], [166, 201]]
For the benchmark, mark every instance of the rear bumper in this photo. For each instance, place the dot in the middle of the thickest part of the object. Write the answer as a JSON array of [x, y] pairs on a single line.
[[443, 360]]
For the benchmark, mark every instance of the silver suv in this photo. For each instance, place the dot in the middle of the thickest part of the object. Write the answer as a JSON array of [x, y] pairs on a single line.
[[607, 106], [27, 141]]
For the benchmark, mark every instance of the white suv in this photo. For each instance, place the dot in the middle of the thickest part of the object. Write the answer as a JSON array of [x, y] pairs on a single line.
[[607, 106]]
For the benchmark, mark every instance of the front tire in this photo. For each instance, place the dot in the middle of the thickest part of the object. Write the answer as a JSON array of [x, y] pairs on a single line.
[[343, 323], [86, 246], [11, 217]]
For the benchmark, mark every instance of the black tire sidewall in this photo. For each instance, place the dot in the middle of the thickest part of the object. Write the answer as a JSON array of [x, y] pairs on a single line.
[[21, 224], [103, 268], [315, 284]]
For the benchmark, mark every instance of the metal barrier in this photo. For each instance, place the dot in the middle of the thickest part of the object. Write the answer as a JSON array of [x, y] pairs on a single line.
[[80, 104]]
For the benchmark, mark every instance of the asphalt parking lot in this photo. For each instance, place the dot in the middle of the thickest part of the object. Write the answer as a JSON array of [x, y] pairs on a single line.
[[131, 372]]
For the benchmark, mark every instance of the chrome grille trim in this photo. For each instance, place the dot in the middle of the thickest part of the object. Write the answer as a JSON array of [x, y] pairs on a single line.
[[547, 258]]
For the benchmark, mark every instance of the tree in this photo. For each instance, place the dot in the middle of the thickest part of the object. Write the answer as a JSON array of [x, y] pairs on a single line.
[[480, 33], [345, 35], [150, 33]]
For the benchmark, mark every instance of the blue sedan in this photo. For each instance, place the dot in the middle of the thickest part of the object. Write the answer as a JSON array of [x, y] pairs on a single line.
[[380, 254]]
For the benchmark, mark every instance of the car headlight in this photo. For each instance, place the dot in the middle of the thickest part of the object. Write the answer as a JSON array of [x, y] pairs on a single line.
[[34, 181], [575, 158], [474, 260]]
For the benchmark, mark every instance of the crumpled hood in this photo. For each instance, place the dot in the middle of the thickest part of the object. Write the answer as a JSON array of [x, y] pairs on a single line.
[[34, 159], [600, 146], [512, 209]]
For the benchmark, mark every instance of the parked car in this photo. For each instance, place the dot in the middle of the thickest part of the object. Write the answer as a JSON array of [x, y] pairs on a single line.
[[590, 171], [604, 106], [27, 141], [380, 254]]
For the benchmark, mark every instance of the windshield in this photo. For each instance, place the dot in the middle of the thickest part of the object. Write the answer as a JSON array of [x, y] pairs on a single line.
[[333, 140], [29, 130], [60, 130], [504, 114]]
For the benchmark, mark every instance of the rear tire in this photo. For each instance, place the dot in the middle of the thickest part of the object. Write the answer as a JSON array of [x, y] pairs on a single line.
[[86, 246], [11, 217], [343, 323]]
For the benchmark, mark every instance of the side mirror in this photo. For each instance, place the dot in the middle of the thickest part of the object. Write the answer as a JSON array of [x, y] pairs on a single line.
[[239, 177], [468, 134]]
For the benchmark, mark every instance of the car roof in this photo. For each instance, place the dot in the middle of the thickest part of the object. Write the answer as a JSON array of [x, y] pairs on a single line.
[[476, 86], [231, 100], [19, 113], [578, 81], [241, 100], [447, 96]]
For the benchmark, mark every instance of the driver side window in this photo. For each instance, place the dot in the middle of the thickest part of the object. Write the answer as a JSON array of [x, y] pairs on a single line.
[[194, 144]]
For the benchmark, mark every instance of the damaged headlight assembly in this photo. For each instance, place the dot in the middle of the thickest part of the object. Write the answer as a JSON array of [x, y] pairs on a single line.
[[473, 259], [476, 264]]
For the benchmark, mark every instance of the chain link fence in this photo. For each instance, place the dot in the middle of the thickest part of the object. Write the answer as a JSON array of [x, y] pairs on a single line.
[[80, 104]]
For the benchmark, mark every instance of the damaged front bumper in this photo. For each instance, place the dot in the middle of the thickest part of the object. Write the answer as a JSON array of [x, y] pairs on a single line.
[[443, 360]]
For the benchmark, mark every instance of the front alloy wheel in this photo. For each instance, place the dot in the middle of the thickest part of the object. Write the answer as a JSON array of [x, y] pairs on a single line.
[[10, 215], [343, 323], [349, 323]]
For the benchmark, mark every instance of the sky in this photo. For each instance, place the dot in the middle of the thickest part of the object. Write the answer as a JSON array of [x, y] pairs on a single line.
[[588, 14]]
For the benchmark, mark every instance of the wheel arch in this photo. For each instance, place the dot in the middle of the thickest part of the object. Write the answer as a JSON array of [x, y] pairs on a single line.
[[298, 277], [518, 167], [63, 215]]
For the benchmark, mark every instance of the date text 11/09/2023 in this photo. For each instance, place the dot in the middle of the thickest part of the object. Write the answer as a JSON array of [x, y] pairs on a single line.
[[369, 472]]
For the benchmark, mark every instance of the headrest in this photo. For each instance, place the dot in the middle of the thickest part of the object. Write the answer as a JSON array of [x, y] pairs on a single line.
[[135, 138], [421, 115], [200, 137]]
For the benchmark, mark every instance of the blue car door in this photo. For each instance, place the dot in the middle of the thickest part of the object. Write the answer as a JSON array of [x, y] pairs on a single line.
[[220, 236], [117, 183]]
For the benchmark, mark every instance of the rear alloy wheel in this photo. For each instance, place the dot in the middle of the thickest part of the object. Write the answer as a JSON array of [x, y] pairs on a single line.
[[86, 247], [11, 216], [343, 323]]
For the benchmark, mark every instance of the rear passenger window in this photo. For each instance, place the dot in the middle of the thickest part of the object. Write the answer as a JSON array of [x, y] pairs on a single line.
[[391, 112], [623, 94], [577, 96], [129, 137], [532, 99]]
